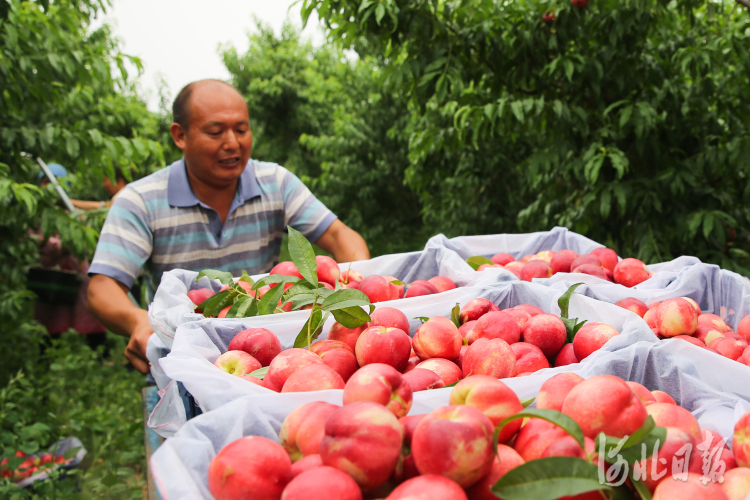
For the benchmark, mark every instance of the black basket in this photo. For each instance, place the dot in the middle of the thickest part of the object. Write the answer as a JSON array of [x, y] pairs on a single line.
[[191, 409], [53, 287]]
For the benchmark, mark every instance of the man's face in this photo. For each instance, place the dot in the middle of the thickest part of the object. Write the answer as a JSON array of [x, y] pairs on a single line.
[[218, 142]]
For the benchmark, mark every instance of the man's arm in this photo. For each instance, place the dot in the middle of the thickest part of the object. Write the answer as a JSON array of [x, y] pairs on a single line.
[[90, 205], [109, 302], [344, 243]]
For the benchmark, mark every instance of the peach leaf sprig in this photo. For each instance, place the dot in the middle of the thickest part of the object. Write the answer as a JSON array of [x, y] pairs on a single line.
[[553, 477], [572, 325]]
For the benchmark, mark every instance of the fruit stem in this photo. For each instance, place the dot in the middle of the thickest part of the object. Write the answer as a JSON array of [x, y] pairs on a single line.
[[346, 280], [312, 315]]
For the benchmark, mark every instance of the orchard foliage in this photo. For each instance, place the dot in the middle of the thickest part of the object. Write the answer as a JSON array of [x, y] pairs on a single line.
[[61, 101], [65, 96], [327, 118], [626, 121]]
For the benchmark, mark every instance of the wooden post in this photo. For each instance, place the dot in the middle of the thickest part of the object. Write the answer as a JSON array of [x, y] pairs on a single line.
[[152, 439]]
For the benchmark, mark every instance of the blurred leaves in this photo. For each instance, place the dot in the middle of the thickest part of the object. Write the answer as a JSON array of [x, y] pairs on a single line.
[[623, 121], [69, 390], [67, 95], [327, 118]]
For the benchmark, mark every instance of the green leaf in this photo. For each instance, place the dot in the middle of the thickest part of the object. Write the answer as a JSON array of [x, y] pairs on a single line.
[[303, 256], [347, 298], [633, 448], [110, 480], [592, 168], [648, 426], [397, 282], [558, 108], [275, 278], [639, 486], [455, 312], [423, 319], [302, 288], [622, 201], [625, 115], [224, 278], [351, 317], [72, 452], [708, 225], [270, 300], [30, 447], [260, 372], [613, 106], [564, 301], [552, 416], [243, 308], [379, 13], [315, 323], [527, 402], [477, 261], [301, 300], [619, 161], [569, 68], [213, 305], [72, 147], [246, 278], [549, 478], [572, 325]]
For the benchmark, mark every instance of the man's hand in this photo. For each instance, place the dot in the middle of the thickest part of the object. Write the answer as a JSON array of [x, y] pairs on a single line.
[[344, 243], [136, 349], [109, 302]]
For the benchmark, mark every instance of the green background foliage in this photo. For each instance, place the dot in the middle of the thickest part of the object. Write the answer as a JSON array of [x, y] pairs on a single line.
[[326, 118], [65, 96], [624, 120]]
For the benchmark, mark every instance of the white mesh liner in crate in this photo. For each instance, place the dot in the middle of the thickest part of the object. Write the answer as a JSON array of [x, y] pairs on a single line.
[[717, 291], [199, 343], [713, 388], [172, 307]]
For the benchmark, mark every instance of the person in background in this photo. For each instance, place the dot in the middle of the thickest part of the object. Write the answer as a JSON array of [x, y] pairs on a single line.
[[112, 189], [58, 318], [213, 209]]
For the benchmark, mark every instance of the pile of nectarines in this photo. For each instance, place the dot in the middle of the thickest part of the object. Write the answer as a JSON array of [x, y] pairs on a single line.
[[513, 342], [681, 318], [376, 288], [602, 263], [369, 447]]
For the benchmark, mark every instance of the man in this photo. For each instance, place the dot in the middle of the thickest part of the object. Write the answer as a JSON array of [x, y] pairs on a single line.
[[214, 209]]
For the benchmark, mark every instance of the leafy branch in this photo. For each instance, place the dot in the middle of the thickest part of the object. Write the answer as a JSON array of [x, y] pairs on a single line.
[[344, 304], [555, 477]]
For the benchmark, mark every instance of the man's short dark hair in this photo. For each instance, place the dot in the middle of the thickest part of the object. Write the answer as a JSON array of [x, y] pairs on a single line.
[[181, 105]]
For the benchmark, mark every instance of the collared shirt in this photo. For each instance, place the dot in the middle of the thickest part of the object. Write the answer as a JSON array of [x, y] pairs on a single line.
[[158, 224]]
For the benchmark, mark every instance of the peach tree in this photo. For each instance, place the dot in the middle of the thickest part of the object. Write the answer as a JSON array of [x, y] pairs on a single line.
[[66, 95], [622, 120]]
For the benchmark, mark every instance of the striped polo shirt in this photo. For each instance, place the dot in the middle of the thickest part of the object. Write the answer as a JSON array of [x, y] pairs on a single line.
[[157, 224]]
